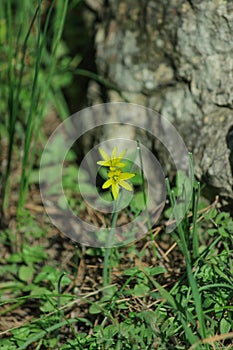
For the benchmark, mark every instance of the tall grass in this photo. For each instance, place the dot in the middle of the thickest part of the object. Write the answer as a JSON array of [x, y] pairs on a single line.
[[189, 247], [33, 35]]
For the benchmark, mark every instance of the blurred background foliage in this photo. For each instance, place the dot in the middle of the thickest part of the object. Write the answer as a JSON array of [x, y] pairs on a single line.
[[47, 60]]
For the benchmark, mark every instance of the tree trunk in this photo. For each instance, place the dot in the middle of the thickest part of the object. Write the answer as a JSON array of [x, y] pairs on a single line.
[[176, 57]]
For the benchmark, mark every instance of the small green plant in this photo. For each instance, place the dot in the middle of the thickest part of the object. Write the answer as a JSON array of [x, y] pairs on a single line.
[[116, 178]]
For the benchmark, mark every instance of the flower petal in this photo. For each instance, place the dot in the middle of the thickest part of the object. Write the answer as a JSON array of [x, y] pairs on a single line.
[[116, 165], [115, 172], [115, 190], [103, 154], [103, 162], [125, 185], [114, 152], [107, 183], [126, 176]]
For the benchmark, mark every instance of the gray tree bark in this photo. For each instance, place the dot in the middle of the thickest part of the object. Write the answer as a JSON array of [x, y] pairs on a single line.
[[176, 57]]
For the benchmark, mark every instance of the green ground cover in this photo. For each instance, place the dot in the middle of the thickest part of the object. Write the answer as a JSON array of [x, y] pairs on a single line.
[[163, 291]]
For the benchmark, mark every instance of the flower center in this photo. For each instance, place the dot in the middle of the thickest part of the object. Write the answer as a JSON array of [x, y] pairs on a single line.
[[115, 178]]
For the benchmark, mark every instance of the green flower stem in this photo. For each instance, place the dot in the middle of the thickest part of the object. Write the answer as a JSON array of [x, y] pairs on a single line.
[[195, 199], [108, 249]]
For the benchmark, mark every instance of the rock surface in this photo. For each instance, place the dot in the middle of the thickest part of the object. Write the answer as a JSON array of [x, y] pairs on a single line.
[[175, 57]]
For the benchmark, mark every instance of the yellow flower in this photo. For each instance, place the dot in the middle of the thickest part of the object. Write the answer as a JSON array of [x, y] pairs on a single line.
[[116, 179], [113, 162]]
